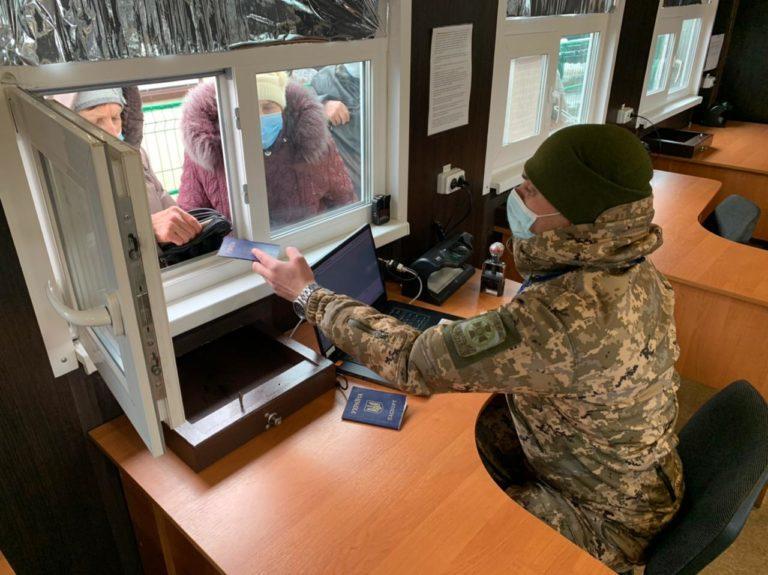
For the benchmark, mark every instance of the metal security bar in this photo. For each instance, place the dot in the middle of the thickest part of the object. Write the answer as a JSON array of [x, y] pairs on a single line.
[[163, 143]]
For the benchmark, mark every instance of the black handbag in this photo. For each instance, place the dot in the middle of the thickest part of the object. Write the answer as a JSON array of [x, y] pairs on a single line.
[[216, 228]]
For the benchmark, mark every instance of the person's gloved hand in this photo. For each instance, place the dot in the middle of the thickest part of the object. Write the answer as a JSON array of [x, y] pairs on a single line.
[[287, 278], [336, 112], [174, 225]]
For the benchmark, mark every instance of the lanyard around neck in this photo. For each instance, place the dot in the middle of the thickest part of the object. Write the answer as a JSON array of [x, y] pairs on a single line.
[[530, 280]]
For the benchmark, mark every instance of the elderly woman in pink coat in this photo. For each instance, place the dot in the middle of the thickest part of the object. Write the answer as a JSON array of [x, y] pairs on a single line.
[[304, 172]]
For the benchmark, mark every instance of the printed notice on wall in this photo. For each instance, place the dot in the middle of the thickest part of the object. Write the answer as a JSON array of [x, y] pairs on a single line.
[[713, 54], [450, 78]]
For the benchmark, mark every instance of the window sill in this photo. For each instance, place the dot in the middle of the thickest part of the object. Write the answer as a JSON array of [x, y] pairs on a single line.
[[225, 297], [506, 178], [665, 111]]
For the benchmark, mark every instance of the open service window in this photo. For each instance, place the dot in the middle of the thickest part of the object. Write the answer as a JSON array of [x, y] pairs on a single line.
[[91, 187], [550, 71], [287, 142]]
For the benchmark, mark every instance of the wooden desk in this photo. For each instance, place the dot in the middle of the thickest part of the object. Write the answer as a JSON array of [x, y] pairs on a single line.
[[721, 287], [320, 495], [738, 159]]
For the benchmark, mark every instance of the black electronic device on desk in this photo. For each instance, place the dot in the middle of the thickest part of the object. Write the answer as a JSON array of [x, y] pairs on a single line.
[[443, 269], [352, 269]]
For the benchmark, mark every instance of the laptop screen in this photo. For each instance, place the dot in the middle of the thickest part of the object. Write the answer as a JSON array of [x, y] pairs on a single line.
[[351, 269]]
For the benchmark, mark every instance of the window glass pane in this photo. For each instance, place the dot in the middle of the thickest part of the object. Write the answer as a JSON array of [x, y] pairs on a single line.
[[83, 238], [176, 127], [314, 135], [527, 77], [660, 63], [570, 96], [682, 63]]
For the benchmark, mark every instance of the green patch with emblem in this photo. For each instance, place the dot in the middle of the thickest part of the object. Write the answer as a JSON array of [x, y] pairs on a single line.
[[483, 336]]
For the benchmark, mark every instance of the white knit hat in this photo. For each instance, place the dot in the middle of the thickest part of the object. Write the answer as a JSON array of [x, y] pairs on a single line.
[[271, 86]]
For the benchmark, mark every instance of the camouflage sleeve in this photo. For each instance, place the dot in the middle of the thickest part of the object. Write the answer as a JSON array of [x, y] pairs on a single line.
[[519, 345]]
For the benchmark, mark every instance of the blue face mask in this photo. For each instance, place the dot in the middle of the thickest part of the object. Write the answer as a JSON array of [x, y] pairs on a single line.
[[520, 216], [271, 126]]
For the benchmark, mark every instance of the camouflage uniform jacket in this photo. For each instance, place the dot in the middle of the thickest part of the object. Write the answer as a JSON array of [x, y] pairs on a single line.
[[586, 360]]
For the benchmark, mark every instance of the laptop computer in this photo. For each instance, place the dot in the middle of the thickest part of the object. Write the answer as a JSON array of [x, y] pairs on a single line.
[[352, 269]]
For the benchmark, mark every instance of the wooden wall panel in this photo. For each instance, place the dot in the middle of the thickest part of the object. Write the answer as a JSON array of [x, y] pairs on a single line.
[[632, 55], [724, 22], [463, 146], [744, 77], [61, 508]]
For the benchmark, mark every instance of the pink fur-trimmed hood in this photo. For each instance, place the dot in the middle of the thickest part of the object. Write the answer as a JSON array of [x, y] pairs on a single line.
[[305, 126], [200, 126]]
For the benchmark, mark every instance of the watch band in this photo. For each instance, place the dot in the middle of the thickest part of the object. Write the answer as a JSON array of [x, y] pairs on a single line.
[[300, 303]]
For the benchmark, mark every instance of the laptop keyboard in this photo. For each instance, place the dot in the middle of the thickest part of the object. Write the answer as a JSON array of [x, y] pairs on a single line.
[[413, 318]]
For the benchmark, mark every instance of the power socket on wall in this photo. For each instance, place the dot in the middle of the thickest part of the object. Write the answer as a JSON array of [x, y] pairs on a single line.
[[624, 114], [447, 180]]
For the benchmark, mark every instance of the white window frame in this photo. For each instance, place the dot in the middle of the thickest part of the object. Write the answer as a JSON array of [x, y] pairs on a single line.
[[211, 287], [529, 36], [661, 105]]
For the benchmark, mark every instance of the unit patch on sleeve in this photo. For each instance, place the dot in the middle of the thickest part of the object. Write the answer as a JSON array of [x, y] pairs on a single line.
[[471, 340]]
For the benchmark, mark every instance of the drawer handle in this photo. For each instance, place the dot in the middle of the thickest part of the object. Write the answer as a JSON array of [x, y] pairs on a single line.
[[273, 420]]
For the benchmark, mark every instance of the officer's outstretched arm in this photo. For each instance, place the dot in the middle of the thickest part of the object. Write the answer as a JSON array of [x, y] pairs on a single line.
[[520, 345]]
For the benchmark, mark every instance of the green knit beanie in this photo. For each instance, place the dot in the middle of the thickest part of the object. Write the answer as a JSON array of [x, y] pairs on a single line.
[[583, 170]]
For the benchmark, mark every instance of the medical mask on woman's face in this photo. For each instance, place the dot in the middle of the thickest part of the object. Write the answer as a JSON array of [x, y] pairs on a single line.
[[271, 125], [520, 216]]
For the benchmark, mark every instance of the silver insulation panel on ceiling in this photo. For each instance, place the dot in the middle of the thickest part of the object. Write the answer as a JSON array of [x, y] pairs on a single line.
[[35, 32], [516, 8]]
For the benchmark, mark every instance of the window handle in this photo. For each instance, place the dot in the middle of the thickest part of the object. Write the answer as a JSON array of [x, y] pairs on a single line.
[[108, 314]]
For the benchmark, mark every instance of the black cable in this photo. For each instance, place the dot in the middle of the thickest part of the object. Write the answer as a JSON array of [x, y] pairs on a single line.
[[470, 206], [342, 388], [654, 126]]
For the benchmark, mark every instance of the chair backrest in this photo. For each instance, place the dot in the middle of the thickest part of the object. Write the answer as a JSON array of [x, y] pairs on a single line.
[[735, 219], [724, 450]]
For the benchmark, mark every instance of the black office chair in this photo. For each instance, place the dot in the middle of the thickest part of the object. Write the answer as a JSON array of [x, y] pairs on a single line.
[[724, 449], [735, 219]]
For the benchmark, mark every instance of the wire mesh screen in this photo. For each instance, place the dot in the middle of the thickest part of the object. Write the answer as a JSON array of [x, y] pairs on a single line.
[[163, 143]]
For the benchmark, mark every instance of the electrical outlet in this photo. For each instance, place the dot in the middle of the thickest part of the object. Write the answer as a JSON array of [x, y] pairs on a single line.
[[446, 180], [624, 114]]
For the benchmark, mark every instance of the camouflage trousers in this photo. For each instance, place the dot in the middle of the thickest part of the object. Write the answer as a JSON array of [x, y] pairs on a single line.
[[503, 457]]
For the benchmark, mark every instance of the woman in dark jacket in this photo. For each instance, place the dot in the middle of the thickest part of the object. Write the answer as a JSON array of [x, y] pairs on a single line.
[[304, 173]]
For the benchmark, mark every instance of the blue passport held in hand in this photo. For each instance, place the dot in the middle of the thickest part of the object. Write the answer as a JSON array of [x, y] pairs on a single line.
[[375, 407], [241, 249]]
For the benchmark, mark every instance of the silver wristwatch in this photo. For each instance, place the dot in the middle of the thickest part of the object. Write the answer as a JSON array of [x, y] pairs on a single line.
[[300, 303]]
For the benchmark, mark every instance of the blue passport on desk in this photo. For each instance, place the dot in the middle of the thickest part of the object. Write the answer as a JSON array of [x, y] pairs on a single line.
[[375, 407]]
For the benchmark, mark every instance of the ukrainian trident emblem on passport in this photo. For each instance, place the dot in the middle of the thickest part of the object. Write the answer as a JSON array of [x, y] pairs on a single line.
[[373, 406]]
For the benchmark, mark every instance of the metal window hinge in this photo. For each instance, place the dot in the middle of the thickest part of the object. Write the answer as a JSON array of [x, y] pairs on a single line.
[[245, 194]]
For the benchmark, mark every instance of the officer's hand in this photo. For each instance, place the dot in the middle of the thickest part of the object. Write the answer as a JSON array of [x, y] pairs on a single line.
[[174, 225], [287, 278], [336, 112]]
